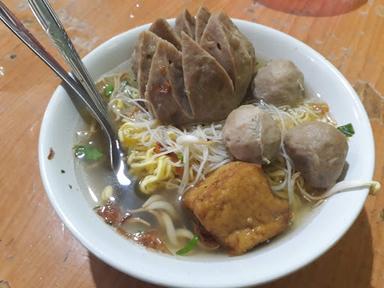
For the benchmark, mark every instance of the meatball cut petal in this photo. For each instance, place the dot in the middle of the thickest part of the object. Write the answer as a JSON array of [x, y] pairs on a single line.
[[186, 23], [214, 41], [251, 134], [146, 49], [134, 59], [208, 87], [237, 207], [318, 151], [162, 29], [279, 83], [165, 88], [243, 54], [223, 40], [202, 18]]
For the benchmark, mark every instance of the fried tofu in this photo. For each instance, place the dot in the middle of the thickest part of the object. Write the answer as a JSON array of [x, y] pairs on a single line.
[[236, 205]]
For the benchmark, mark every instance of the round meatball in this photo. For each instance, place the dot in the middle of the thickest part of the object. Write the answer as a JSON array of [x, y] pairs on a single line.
[[279, 83], [251, 134], [318, 151]]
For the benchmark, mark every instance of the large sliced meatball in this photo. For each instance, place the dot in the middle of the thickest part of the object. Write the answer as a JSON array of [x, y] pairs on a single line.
[[236, 206], [251, 134], [318, 151], [279, 83], [217, 68]]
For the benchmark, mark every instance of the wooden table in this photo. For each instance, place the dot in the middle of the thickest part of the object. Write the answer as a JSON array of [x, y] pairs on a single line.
[[36, 250]]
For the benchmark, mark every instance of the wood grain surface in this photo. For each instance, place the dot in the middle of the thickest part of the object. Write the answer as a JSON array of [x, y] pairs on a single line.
[[36, 250]]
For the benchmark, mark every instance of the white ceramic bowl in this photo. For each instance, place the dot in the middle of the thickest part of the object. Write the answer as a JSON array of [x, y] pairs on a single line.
[[289, 252]]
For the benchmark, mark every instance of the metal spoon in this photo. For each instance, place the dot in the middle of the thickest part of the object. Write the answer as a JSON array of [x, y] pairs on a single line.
[[77, 92], [51, 24]]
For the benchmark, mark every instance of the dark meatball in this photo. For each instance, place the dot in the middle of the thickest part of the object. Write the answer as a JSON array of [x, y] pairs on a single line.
[[251, 134], [279, 83], [318, 151]]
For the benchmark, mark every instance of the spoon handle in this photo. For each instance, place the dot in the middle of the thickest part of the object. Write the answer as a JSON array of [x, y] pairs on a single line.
[[76, 91], [51, 24], [17, 27]]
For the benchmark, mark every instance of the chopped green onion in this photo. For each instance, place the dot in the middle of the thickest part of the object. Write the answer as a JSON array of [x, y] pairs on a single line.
[[87, 152], [108, 90], [191, 244], [347, 130], [180, 156]]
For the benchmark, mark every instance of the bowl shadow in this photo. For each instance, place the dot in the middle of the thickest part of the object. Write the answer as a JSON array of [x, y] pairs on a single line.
[[347, 264]]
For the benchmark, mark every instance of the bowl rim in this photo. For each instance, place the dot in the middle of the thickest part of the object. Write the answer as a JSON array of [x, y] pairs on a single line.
[[178, 281]]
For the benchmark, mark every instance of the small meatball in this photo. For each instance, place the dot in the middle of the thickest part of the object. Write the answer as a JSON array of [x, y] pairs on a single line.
[[318, 151], [236, 206], [251, 134], [279, 83]]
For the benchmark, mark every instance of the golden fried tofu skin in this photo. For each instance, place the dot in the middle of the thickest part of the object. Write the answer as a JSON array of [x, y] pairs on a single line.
[[236, 205]]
